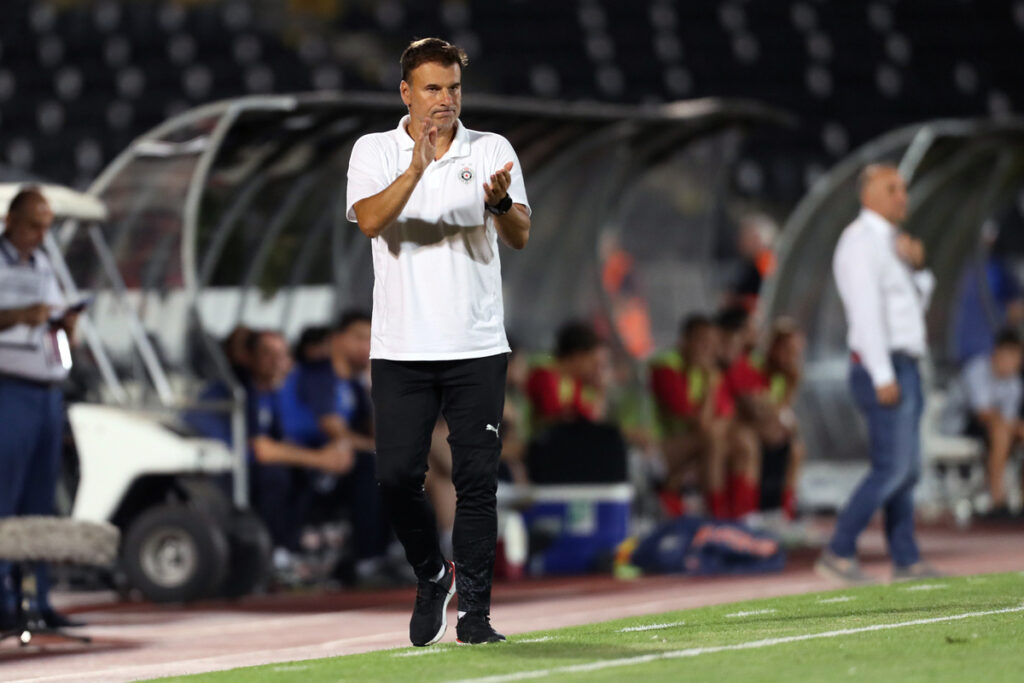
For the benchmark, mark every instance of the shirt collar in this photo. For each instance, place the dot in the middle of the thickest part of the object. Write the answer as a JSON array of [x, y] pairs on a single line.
[[876, 222], [11, 254], [460, 143]]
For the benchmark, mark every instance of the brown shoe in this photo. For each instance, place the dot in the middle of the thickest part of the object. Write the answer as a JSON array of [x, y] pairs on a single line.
[[846, 570]]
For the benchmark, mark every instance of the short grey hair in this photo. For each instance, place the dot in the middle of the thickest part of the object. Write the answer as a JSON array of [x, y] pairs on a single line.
[[870, 171]]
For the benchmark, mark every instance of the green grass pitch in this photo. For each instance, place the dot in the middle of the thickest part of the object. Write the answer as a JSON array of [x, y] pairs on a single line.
[[955, 629]]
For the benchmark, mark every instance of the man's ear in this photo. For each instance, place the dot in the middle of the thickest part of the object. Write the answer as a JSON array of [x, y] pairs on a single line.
[[404, 91]]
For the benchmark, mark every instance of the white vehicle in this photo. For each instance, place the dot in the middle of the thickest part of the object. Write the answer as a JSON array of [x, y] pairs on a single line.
[[138, 467]]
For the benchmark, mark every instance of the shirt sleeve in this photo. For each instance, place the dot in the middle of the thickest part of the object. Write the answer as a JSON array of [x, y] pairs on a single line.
[[924, 282], [977, 385], [1011, 411], [858, 279], [517, 188], [367, 172]]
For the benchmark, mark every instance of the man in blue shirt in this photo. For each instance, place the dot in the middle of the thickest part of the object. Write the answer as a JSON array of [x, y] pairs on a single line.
[[282, 439], [335, 392], [985, 403], [333, 388], [989, 298]]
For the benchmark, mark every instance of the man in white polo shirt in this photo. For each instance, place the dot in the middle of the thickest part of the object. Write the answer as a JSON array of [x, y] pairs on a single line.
[[885, 290], [435, 197]]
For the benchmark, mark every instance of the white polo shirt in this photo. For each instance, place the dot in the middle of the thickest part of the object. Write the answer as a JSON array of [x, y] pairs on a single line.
[[437, 274], [28, 352]]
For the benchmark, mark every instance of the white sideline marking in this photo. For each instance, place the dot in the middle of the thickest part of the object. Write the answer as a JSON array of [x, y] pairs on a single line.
[[542, 639], [841, 598], [926, 587], [651, 627], [751, 645], [424, 651], [751, 614], [289, 668]]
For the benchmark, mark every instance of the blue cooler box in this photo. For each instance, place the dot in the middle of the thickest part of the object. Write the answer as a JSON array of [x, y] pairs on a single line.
[[587, 522]]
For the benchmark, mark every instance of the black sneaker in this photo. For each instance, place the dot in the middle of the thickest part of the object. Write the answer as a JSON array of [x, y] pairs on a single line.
[[53, 619], [429, 617], [475, 628]]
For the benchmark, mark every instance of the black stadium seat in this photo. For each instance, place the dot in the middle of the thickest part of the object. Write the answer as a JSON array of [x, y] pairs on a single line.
[[111, 69]]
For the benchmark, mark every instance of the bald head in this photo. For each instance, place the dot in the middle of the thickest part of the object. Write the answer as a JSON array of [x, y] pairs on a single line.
[[883, 191], [28, 220]]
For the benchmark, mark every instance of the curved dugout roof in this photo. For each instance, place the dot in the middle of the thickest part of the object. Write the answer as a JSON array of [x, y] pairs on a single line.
[[960, 174], [250, 192]]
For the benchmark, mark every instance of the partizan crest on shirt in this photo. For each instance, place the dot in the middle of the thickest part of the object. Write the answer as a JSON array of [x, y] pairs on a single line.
[[466, 174]]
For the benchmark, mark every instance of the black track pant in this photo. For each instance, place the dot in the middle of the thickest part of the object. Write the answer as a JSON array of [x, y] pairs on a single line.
[[407, 397]]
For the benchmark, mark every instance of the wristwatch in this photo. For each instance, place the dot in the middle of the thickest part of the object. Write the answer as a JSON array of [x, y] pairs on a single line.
[[501, 208]]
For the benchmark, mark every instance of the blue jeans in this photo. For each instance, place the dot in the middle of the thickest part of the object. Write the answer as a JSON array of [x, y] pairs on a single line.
[[895, 445], [31, 438]]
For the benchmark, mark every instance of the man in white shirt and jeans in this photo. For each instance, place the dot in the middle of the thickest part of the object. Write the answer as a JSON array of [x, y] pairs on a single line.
[[435, 197], [885, 290]]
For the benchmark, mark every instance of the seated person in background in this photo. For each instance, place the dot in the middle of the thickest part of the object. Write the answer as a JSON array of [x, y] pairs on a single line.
[[570, 440], [277, 426], [512, 467], [763, 390], [754, 244], [987, 401], [215, 423], [314, 345], [569, 386], [989, 297], [236, 349], [333, 387], [515, 421], [698, 430], [334, 391]]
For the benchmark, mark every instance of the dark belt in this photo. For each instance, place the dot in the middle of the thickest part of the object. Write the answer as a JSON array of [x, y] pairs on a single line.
[[28, 382]]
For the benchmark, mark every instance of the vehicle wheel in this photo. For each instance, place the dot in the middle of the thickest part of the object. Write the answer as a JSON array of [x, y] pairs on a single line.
[[250, 553], [175, 553]]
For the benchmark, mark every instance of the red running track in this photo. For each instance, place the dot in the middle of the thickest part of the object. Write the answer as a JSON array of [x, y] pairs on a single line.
[[136, 641]]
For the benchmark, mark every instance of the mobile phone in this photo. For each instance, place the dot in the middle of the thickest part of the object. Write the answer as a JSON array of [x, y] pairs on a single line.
[[79, 306]]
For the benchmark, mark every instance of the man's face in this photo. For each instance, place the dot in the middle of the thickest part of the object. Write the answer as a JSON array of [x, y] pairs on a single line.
[[271, 362], [701, 346], [886, 194], [27, 226], [588, 366], [434, 91], [732, 345], [1007, 360], [354, 345], [789, 353]]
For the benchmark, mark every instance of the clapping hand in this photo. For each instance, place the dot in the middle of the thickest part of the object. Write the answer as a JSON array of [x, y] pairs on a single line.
[[426, 146], [496, 190]]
